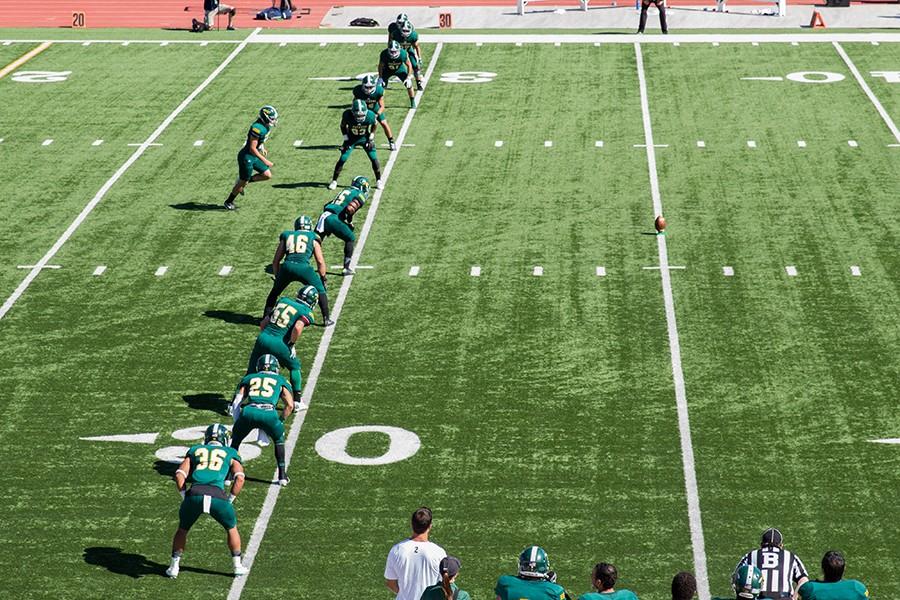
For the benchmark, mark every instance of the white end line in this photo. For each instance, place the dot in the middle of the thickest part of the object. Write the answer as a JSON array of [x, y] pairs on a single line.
[[116, 176], [268, 507], [684, 427], [862, 83]]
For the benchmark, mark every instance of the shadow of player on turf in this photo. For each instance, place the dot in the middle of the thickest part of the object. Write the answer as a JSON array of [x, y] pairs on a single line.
[[300, 184], [165, 468], [213, 402], [197, 206], [232, 317], [135, 566]]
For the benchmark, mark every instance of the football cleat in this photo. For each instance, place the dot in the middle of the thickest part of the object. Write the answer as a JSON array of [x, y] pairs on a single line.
[[379, 185], [303, 223], [240, 570], [360, 183], [347, 271], [369, 83], [267, 363], [230, 205], [392, 145], [359, 109], [419, 85], [217, 433], [308, 296], [269, 115], [328, 322], [332, 185], [284, 482], [172, 571], [394, 50], [534, 563]]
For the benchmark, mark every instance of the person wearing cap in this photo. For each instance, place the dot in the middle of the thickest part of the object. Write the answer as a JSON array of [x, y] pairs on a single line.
[[413, 564], [533, 581], [603, 578], [684, 586], [445, 588], [833, 586], [782, 570]]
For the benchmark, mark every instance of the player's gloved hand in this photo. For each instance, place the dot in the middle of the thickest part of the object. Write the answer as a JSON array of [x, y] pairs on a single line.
[[382, 82], [369, 145], [551, 576], [408, 83]]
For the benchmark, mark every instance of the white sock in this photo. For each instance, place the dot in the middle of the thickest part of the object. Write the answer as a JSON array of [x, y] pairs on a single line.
[[175, 561], [236, 560]]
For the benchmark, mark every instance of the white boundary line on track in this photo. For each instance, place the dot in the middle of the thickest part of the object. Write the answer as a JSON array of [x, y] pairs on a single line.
[[862, 83], [684, 426], [268, 507], [116, 176]]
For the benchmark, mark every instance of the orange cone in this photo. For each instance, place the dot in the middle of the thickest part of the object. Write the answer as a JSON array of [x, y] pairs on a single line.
[[817, 22]]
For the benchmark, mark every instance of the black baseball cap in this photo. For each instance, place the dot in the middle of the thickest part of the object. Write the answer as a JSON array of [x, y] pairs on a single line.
[[771, 537], [449, 565]]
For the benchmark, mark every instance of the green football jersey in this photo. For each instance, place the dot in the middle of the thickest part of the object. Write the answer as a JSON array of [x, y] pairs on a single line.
[[285, 315], [616, 595], [259, 132], [392, 65], [510, 587], [210, 464], [263, 387], [357, 130], [372, 99], [340, 202], [845, 589], [406, 42], [298, 245], [436, 592]]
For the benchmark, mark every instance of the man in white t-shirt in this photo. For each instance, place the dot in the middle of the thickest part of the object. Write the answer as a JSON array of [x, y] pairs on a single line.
[[413, 564]]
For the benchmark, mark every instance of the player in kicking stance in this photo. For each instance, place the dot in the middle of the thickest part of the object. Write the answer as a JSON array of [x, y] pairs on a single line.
[[403, 32], [206, 465], [254, 407], [337, 217], [372, 93], [358, 127], [253, 156], [394, 61], [296, 247], [661, 5], [281, 330]]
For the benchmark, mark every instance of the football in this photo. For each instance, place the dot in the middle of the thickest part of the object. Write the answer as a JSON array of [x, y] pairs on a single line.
[[660, 224]]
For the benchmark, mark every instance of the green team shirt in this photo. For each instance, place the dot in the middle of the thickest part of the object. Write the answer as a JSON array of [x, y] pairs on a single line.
[[845, 589], [298, 245], [285, 315], [372, 99], [616, 595], [339, 204], [406, 42], [392, 65], [259, 132], [436, 592], [263, 387], [210, 464], [356, 130], [515, 588]]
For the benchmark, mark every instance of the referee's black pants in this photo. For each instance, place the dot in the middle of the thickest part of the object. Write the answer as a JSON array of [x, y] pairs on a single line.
[[661, 5]]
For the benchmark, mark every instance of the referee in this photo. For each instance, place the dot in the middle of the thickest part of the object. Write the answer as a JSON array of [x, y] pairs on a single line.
[[782, 570]]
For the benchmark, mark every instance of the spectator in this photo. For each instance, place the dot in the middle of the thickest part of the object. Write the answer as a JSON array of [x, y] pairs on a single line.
[[533, 581], [445, 588], [782, 570], [412, 565], [684, 586], [833, 587], [746, 583], [212, 8], [603, 578]]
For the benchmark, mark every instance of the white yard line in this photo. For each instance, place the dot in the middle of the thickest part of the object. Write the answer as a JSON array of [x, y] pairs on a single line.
[[865, 86], [268, 507], [414, 271], [475, 271], [538, 271], [684, 427], [225, 271], [100, 270], [601, 271], [116, 176]]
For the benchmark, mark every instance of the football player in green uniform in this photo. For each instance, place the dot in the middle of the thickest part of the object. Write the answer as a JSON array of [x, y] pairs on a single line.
[[534, 581], [281, 330], [254, 155], [337, 217], [296, 247], [255, 405], [833, 586], [394, 61], [403, 32], [603, 578], [372, 93], [206, 465], [358, 127]]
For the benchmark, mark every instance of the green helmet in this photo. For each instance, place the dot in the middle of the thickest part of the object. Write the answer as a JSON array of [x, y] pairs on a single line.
[[308, 295], [533, 563], [269, 115], [359, 109], [394, 49], [360, 183], [217, 433], [748, 582], [267, 363], [406, 28], [303, 223]]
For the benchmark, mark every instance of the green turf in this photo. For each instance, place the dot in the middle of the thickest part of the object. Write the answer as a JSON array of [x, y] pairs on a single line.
[[544, 405]]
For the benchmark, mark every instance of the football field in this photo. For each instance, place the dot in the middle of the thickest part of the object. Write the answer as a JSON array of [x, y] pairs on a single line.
[[518, 349]]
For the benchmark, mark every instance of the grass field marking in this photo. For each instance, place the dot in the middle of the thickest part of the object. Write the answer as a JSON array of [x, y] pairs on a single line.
[[161, 271], [865, 86], [598, 144], [42, 267], [498, 144], [17, 293], [130, 438], [751, 143], [548, 144], [47, 142], [141, 144], [695, 521], [886, 441], [801, 143], [855, 271], [268, 507], [86, 44], [728, 271], [701, 144], [449, 143], [96, 142], [198, 143], [225, 271], [23, 59], [475, 271], [600, 271], [538, 271], [414, 271], [100, 270], [298, 143], [667, 267], [791, 270], [853, 143]]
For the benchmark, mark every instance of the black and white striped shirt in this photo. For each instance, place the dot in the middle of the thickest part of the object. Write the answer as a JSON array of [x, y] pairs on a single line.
[[780, 568]]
